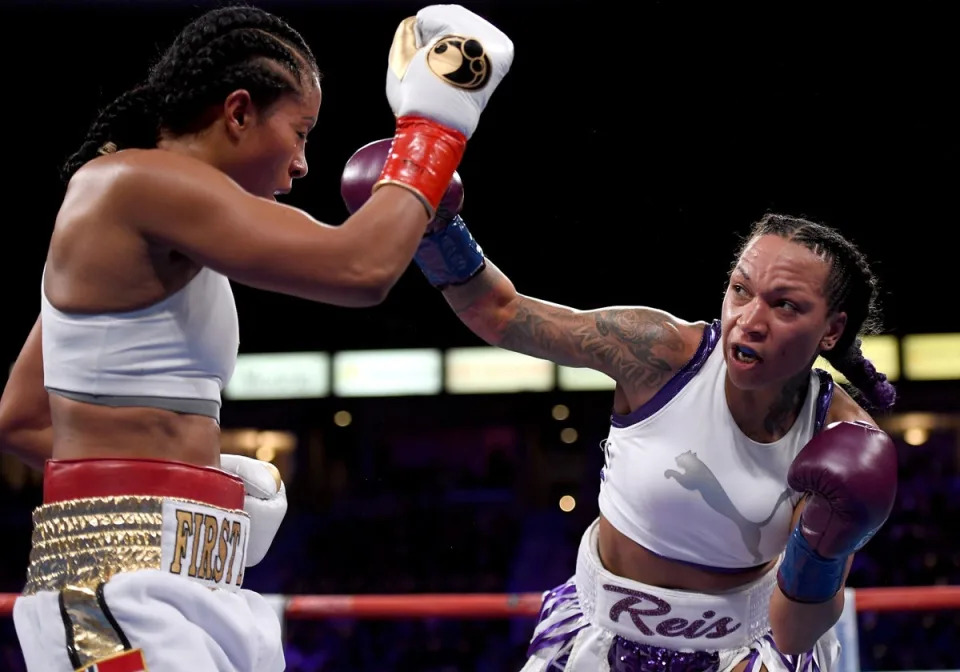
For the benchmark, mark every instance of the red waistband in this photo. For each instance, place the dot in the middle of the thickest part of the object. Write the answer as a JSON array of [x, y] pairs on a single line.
[[108, 477]]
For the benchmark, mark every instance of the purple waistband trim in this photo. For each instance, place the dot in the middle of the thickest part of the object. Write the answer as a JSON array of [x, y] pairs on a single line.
[[627, 656]]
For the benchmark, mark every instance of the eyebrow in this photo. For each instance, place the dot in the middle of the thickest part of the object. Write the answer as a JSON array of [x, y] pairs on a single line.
[[778, 288], [784, 289]]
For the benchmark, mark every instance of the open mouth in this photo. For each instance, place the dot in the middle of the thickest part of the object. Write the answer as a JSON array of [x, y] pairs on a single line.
[[746, 355]]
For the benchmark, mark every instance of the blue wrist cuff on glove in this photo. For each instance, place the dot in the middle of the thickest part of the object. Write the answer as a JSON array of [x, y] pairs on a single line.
[[450, 256], [807, 576]]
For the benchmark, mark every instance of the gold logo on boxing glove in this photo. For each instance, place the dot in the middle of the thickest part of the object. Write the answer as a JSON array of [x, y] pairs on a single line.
[[460, 61]]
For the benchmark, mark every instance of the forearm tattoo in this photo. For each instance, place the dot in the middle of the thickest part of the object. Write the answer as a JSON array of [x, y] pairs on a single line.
[[630, 344]]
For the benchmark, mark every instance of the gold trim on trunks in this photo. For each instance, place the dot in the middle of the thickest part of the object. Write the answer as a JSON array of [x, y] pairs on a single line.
[[87, 541], [91, 636]]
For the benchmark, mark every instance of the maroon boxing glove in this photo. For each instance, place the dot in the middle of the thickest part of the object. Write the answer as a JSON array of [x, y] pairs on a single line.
[[363, 170], [448, 254], [849, 471]]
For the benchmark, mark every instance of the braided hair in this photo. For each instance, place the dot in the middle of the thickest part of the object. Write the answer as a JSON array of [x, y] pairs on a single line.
[[851, 288], [223, 50]]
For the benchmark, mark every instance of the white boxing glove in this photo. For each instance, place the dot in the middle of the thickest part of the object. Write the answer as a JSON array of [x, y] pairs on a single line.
[[444, 65], [265, 501]]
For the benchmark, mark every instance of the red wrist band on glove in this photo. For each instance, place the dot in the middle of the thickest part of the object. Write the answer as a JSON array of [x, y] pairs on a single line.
[[423, 158]]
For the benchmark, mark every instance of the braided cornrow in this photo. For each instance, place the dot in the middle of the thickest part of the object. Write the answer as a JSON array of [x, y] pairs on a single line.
[[129, 121], [221, 51], [852, 288]]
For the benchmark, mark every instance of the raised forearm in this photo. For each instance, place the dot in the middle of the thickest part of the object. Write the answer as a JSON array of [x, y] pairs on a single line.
[[636, 346]]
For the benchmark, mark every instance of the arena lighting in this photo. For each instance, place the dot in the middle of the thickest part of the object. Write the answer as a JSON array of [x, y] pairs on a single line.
[[277, 447], [379, 373], [931, 356], [915, 428], [286, 375], [484, 370], [490, 370], [575, 379], [916, 436], [883, 351], [257, 443]]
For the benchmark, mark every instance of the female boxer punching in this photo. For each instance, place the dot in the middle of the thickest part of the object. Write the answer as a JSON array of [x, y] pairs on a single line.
[[738, 480]]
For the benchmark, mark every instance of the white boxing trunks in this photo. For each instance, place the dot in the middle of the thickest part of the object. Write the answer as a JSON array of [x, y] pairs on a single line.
[[600, 622], [137, 565]]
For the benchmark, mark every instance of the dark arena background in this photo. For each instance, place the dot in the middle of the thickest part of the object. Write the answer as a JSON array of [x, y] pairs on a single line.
[[618, 163]]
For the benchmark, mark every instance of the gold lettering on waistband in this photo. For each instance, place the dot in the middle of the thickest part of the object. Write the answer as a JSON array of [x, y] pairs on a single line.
[[195, 531], [235, 540], [210, 525], [184, 518], [213, 542]]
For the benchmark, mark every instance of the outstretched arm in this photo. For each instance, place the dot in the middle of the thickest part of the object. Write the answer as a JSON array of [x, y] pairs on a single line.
[[638, 347], [25, 427]]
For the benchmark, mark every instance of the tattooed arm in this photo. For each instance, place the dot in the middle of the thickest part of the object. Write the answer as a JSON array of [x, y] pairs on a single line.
[[638, 347]]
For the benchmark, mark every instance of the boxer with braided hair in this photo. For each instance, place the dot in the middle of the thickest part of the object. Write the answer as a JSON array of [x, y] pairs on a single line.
[[851, 287], [738, 480], [222, 51], [146, 530]]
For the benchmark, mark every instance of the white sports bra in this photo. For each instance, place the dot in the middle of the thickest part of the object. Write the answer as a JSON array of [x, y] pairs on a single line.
[[177, 354], [683, 481]]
